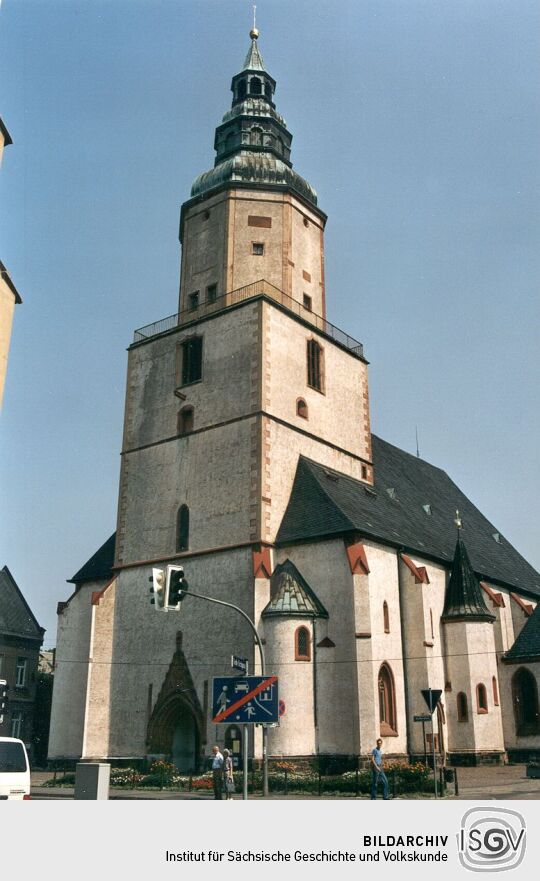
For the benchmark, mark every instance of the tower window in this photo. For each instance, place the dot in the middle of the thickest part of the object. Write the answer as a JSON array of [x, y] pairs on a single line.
[[211, 293], [462, 708], [315, 365], [255, 86], [302, 645], [301, 408], [182, 528], [256, 136], [495, 691], [194, 300], [258, 249], [481, 698], [268, 91], [185, 420], [242, 89], [387, 701], [192, 360], [364, 472], [307, 302], [386, 617]]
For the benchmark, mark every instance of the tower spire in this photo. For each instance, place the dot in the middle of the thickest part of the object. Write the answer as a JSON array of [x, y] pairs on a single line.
[[464, 600]]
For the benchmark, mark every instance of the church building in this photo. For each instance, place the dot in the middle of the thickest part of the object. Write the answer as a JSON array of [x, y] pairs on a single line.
[[248, 458]]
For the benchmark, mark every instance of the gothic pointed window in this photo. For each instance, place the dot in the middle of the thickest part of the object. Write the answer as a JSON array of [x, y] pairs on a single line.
[[525, 697], [302, 645], [481, 698], [182, 528], [387, 702], [462, 708], [315, 365]]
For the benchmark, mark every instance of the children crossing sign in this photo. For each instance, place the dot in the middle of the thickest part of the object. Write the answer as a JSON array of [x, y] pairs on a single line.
[[245, 699]]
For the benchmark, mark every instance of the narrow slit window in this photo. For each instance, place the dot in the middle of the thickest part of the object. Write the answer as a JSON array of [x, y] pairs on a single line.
[[301, 408], [462, 708], [481, 698], [386, 617], [182, 528], [211, 293], [192, 360], [302, 645], [314, 365], [194, 300], [185, 420]]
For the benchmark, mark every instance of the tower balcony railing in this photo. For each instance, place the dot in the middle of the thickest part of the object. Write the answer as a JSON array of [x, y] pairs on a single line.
[[248, 292]]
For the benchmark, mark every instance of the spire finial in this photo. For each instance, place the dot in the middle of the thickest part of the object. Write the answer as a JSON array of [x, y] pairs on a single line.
[[458, 522], [254, 33]]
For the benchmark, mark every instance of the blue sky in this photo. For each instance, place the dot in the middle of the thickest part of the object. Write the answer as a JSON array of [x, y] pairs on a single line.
[[418, 123]]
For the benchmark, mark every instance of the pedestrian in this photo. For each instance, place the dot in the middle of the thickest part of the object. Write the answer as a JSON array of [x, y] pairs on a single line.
[[377, 772], [217, 772], [228, 777]]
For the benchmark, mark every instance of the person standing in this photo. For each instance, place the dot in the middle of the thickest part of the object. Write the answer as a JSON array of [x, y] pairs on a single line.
[[228, 778], [377, 771], [217, 772]]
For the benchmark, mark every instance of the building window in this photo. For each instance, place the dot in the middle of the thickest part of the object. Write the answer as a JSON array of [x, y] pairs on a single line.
[[481, 698], [387, 702], [255, 136], [255, 86], [211, 293], [302, 645], [258, 249], [386, 617], [194, 300], [242, 89], [20, 677], [301, 408], [192, 360], [182, 528], [185, 420], [525, 698], [431, 623], [314, 365], [462, 708], [16, 725], [495, 691], [307, 302], [364, 472]]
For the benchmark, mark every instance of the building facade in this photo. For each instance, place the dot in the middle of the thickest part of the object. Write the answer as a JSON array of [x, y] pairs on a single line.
[[248, 457]]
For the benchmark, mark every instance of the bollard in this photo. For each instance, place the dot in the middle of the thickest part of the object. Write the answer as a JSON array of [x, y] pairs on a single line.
[[92, 781]]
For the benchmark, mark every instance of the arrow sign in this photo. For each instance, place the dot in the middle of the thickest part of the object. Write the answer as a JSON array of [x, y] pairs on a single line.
[[432, 697], [245, 699]]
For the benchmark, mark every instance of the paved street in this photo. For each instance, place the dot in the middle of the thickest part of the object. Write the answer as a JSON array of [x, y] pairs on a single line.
[[477, 784]]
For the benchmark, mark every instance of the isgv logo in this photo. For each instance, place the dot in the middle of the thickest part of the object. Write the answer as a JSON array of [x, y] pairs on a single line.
[[491, 839]]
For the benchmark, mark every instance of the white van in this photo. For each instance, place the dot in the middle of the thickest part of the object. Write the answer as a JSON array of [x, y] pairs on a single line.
[[14, 769]]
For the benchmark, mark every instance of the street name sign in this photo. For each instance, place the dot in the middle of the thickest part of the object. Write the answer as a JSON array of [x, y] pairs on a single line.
[[241, 664], [424, 718], [251, 700]]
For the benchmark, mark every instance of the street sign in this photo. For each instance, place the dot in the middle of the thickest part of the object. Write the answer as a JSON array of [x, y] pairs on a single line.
[[432, 697], [425, 718], [251, 700], [241, 664]]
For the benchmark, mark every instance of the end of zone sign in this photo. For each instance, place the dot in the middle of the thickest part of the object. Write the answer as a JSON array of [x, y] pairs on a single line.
[[245, 699]]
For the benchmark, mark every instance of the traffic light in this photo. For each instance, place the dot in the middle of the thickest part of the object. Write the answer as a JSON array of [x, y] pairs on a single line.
[[4, 688], [157, 590], [176, 586]]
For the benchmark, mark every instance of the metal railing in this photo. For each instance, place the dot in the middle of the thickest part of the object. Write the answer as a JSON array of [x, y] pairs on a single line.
[[257, 288]]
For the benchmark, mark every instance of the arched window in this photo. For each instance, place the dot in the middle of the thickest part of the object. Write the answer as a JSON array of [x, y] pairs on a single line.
[[255, 86], [387, 702], [525, 696], [386, 617], [301, 408], [185, 420], [495, 691], [182, 528], [230, 141], [242, 89], [481, 698], [302, 645], [268, 91], [256, 136], [315, 365], [462, 708]]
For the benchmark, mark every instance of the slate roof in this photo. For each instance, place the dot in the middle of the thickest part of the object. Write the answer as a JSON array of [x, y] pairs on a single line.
[[291, 595], [99, 565], [464, 598], [527, 645], [16, 617], [411, 506]]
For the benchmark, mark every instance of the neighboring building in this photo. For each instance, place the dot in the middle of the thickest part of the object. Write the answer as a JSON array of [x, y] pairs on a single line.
[[9, 296], [248, 457], [21, 638]]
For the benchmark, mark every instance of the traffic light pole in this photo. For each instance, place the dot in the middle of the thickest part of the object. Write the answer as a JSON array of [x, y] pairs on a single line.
[[189, 593]]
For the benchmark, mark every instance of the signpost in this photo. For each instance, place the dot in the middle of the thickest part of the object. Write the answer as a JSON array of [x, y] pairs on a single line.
[[432, 697], [246, 700], [241, 664]]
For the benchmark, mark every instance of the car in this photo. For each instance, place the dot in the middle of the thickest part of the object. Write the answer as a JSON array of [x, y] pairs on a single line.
[[14, 769]]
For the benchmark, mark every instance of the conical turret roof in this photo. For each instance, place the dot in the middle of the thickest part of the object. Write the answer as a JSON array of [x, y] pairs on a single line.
[[464, 598], [254, 58]]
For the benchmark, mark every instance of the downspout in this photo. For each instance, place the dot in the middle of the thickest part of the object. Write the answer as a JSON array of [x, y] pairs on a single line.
[[314, 666], [404, 654]]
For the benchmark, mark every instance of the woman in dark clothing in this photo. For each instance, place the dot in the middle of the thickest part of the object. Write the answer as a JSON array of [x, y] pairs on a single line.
[[228, 779]]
